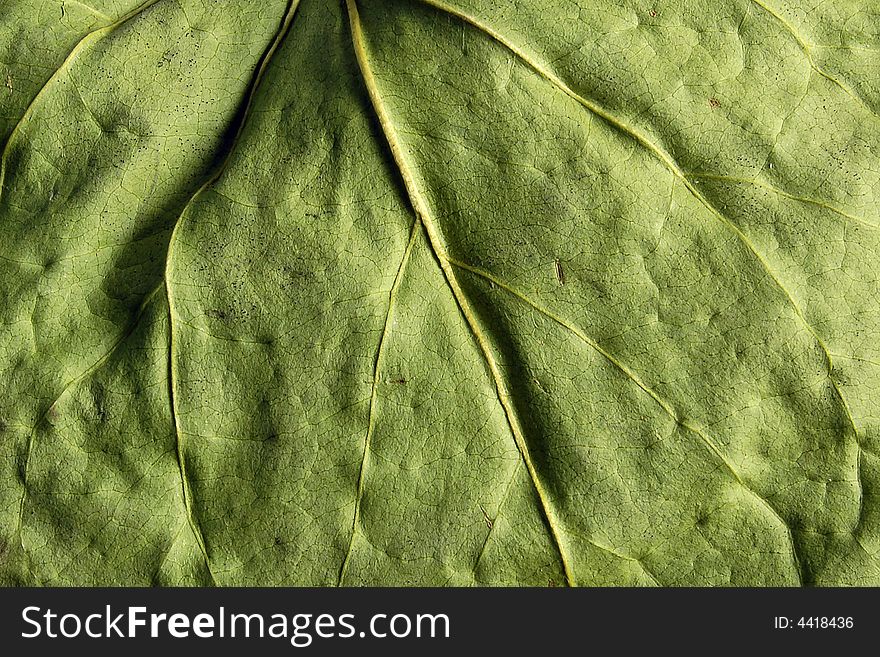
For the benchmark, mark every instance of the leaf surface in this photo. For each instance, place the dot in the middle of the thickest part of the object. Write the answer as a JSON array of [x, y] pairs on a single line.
[[435, 292]]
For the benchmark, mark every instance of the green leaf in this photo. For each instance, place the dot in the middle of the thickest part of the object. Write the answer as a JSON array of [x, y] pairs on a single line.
[[440, 292]]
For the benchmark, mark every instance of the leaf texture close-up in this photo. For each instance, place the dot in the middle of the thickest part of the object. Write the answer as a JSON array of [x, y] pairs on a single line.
[[440, 292]]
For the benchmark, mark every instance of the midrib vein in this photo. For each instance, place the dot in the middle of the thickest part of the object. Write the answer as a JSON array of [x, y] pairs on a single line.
[[435, 242], [282, 32], [374, 393]]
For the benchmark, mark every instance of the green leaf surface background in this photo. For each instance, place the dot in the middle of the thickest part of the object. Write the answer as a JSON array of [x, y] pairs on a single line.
[[440, 292]]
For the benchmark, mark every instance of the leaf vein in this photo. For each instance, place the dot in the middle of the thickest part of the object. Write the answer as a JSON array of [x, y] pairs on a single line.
[[421, 208], [88, 8], [668, 161], [94, 35], [781, 192], [709, 442], [374, 392], [286, 22], [94, 367], [806, 47]]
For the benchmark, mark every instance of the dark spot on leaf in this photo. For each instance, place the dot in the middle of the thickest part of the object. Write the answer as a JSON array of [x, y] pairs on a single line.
[[99, 398], [294, 277], [217, 313], [701, 520]]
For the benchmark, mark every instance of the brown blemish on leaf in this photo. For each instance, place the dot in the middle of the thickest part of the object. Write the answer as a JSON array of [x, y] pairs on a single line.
[[560, 273], [714, 103], [486, 517], [653, 13]]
